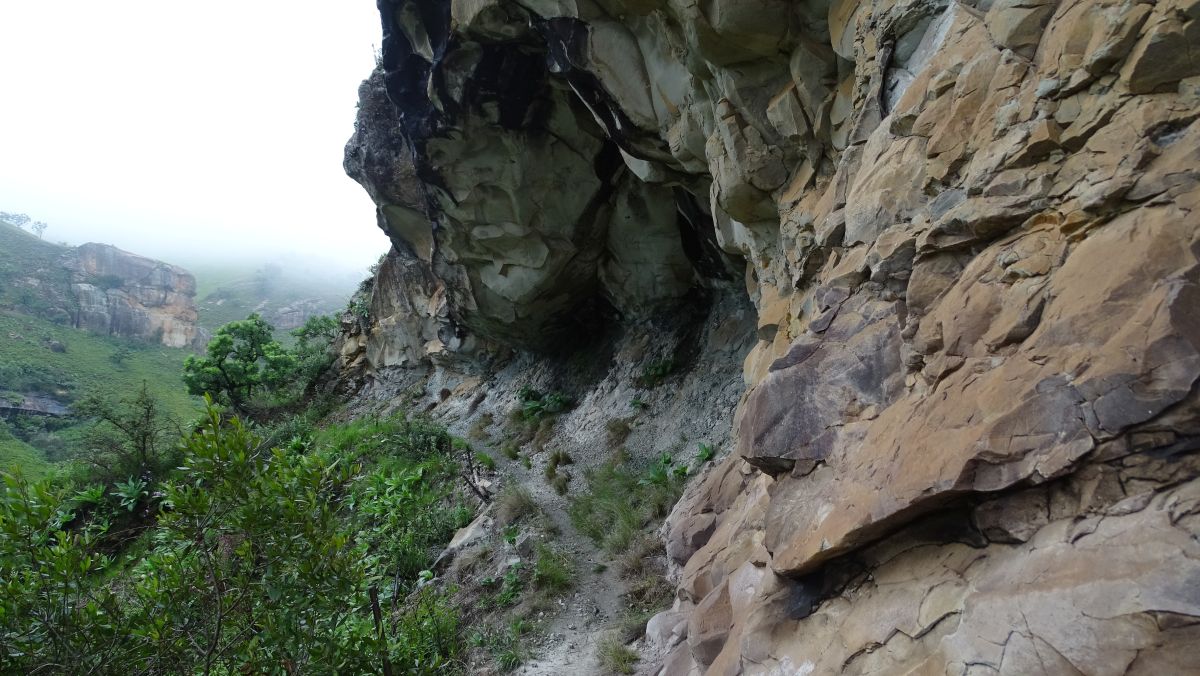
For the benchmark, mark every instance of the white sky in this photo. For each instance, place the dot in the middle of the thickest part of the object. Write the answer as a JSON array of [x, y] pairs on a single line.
[[175, 129]]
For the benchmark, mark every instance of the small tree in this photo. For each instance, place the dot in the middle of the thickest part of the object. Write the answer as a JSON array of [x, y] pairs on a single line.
[[314, 347], [39, 228], [242, 359], [18, 220], [132, 437]]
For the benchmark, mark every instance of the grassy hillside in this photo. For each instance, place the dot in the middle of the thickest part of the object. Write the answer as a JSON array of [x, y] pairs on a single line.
[[89, 364], [23, 256], [15, 454]]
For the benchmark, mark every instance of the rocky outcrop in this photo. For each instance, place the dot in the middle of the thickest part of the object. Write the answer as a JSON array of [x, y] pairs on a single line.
[[970, 232], [123, 294]]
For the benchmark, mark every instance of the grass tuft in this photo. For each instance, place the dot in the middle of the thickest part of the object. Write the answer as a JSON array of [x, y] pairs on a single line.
[[615, 656], [619, 502], [513, 504], [552, 571], [479, 429], [618, 431], [561, 483]]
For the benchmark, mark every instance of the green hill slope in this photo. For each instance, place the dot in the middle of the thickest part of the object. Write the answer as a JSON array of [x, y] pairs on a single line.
[[32, 280], [39, 357]]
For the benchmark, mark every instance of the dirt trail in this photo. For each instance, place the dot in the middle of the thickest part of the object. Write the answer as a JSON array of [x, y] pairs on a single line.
[[566, 643]]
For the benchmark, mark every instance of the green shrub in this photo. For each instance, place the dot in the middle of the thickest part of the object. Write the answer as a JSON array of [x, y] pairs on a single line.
[[655, 373], [505, 646], [510, 588], [428, 635], [265, 557], [535, 405], [129, 437], [486, 461]]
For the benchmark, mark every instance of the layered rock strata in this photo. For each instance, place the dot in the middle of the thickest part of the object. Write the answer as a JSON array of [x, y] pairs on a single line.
[[123, 294], [970, 232]]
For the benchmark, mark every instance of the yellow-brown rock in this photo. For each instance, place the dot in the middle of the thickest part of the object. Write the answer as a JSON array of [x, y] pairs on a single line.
[[972, 234]]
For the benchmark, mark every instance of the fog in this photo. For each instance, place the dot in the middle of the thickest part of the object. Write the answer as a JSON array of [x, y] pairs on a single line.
[[188, 131]]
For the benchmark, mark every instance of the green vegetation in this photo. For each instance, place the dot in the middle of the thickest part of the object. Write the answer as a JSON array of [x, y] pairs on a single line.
[[620, 501], [552, 571], [242, 358], [23, 255], [560, 483], [615, 656], [131, 437], [509, 590], [253, 558], [655, 373], [534, 417], [553, 477], [513, 504], [360, 307], [28, 366], [535, 405], [246, 368], [15, 454], [505, 646]]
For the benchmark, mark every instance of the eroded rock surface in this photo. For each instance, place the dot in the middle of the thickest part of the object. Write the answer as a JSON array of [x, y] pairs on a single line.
[[970, 233], [123, 294]]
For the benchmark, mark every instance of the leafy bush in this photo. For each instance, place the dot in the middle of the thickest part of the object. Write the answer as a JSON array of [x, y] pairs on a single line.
[[263, 560], [243, 363], [655, 373], [129, 438], [314, 353], [535, 405], [241, 359]]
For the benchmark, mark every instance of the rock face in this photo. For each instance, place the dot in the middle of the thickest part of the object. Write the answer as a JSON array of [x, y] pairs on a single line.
[[123, 294], [971, 232]]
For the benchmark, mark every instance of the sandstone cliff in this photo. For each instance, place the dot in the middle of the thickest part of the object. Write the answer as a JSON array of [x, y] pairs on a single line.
[[99, 288], [122, 294], [969, 232]]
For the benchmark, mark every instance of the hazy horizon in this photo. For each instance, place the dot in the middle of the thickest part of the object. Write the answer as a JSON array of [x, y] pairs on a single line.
[[189, 134]]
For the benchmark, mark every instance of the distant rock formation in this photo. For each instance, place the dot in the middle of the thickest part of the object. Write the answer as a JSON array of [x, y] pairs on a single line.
[[33, 404], [123, 294]]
